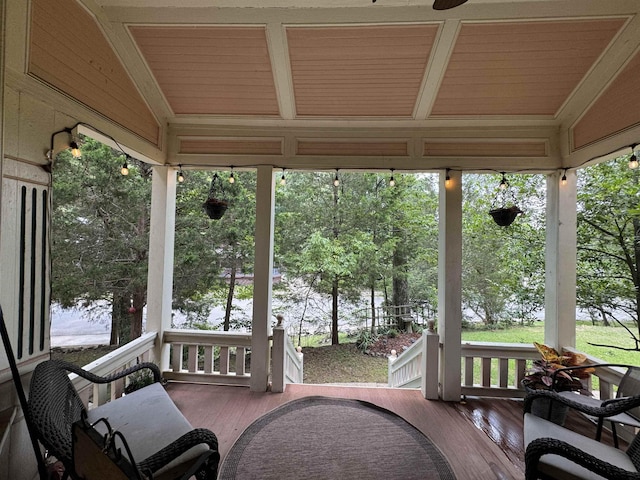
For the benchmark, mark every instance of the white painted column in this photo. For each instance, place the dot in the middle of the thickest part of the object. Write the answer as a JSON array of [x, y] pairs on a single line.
[[450, 285], [263, 278], [161, 245], [560, 269]]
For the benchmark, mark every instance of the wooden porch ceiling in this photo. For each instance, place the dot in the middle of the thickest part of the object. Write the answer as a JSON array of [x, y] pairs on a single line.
[[498, 84]]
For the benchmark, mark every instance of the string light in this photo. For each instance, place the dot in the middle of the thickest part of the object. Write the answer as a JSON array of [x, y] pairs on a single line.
[[336, 180], [125, 167], [75, 149], [447, 179], [392, 181], [180, 175], [563, 180], [283, 181], [232, 179], [633, 160], [503, 183]]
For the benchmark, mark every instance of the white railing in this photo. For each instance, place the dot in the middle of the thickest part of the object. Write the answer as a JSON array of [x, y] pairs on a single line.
[[417, 367], [287, 361], [495, 369], [136, 351], [203, 356], [406, 370]]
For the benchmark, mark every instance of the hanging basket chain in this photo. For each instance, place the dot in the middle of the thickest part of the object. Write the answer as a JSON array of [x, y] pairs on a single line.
[[504, 209], [216, 204]]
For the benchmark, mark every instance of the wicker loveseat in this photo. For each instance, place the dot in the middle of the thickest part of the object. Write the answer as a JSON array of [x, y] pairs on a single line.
[[154, 440], [141, 435], [555, 452]]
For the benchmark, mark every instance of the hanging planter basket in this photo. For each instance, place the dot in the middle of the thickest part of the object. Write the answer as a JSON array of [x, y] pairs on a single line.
[[505, 216], [215, 205]]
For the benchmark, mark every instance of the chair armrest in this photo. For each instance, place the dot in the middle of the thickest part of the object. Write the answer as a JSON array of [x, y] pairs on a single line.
[[609, 408], [157, 376], [541, 446], [195, 437]]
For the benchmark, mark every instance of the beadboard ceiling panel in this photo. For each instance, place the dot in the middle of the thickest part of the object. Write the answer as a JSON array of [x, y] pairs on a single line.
[[75, 57], [210, 70], [372, 71], [614, 111], [524, 68]]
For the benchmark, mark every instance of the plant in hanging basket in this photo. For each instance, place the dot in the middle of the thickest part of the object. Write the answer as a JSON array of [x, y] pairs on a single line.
[[215, 205], [215, 208], [505, 216]]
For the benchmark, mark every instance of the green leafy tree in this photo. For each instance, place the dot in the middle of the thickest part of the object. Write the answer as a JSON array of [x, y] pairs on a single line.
[[210, 253], [609, 244], [100, 235], [503, 267]]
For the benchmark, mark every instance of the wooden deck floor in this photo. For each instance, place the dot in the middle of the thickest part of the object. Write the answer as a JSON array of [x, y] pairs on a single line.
[[481, 438]]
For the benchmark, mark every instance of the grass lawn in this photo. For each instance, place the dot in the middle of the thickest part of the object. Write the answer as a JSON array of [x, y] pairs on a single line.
[[586, 334]]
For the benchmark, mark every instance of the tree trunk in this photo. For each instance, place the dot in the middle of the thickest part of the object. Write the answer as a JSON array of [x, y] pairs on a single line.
[[373, 308], [636, 280], [139, 299], [232, 287], [401, 286], [119, 308], [334, 313], [334, 285]]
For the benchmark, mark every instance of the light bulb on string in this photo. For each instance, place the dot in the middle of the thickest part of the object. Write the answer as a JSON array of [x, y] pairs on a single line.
[[283, 181], [633, 160], [563, 180], [75, 149], [125, 168], [232, 179], [392, 181], [447, 179], [180, 175], [336, 180], [503, 183]]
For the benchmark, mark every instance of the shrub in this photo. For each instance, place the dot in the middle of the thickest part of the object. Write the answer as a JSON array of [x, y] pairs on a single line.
[[365, 340]]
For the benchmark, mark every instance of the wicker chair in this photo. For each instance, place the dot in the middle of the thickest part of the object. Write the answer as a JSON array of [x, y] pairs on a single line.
[[157, 441], [629, 386], [555, 452]]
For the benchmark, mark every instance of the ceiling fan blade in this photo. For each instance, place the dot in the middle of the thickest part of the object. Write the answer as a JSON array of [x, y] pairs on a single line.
[[447, 4]]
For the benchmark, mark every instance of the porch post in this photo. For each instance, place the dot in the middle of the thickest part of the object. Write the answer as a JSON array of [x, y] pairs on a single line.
[[561, 254], [263, 278], [161, 244], [450, 285]]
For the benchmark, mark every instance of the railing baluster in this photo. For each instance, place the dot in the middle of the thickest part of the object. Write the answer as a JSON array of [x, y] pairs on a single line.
[[240, 360], [224, 360], [521, 366], [208, 359], [192, 359], [469, 363], [486, 372], [503, 365], [176, 358]]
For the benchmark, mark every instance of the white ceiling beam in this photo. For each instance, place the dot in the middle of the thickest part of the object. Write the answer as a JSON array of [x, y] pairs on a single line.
[[445, 41], [281, 66]]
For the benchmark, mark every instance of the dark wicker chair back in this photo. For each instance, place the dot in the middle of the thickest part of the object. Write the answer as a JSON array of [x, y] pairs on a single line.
[[54, 406], [630, 387], [634, 451]]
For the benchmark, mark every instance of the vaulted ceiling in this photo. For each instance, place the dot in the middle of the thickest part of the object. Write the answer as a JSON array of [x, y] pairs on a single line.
[[491, 84]]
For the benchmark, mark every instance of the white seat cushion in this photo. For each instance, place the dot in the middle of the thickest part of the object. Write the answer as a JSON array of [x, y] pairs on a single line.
[[149, 421], [560, 467]]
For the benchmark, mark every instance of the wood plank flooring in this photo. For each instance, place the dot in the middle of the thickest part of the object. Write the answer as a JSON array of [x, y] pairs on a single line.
[[481, 437]]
